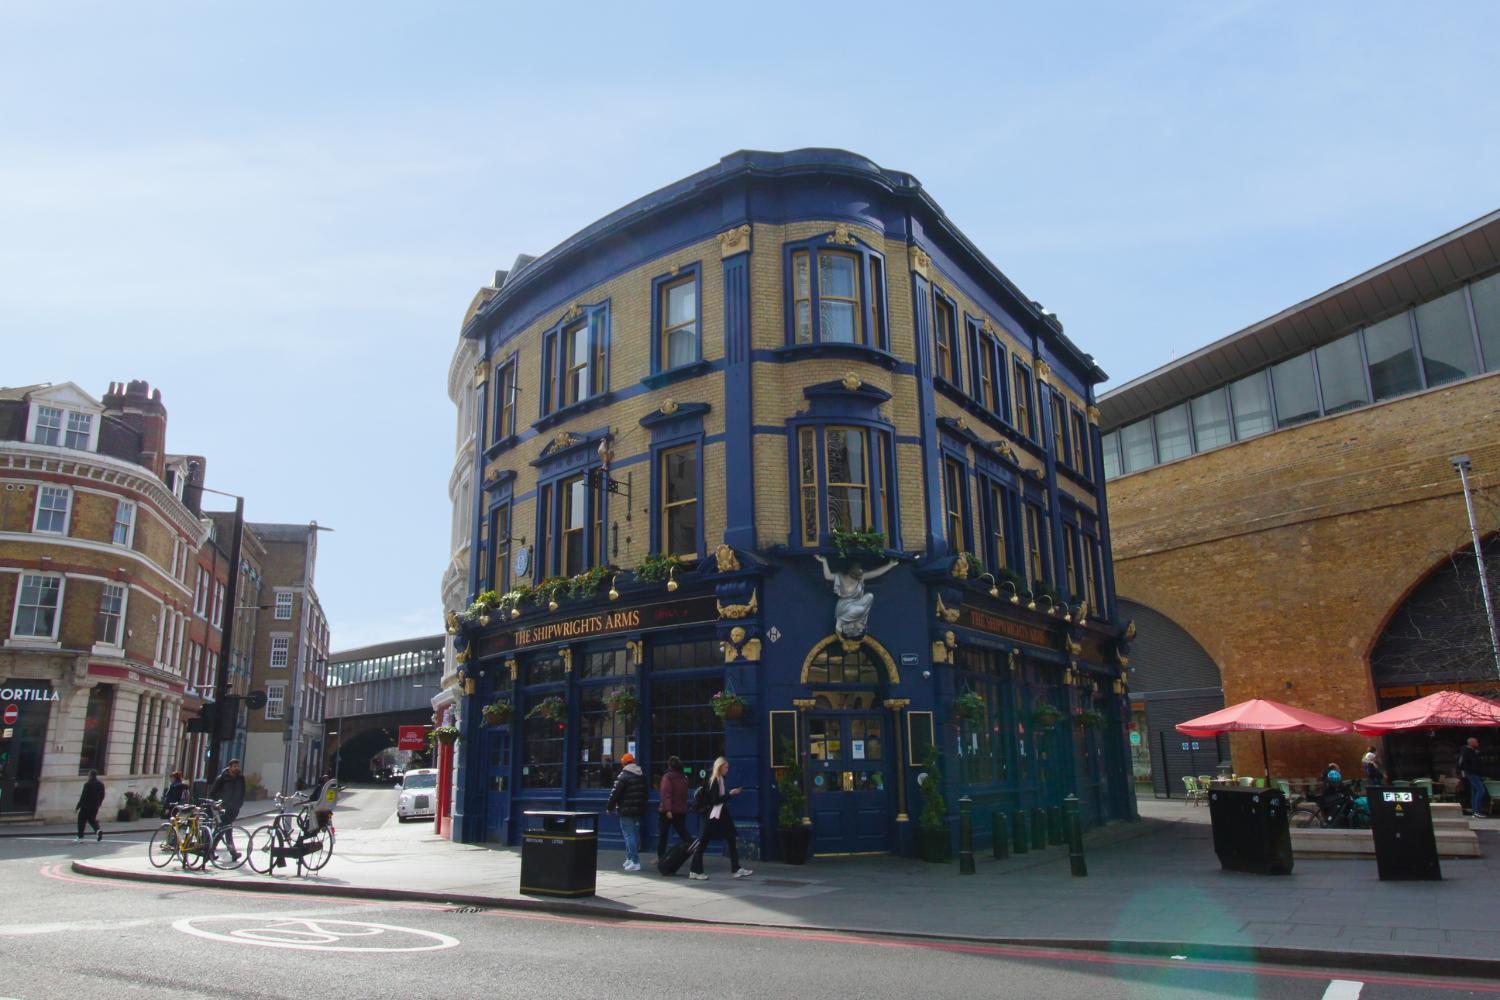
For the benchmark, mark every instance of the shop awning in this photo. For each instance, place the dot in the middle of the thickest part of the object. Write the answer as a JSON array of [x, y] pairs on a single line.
[[1263, 716], [1438, 710]]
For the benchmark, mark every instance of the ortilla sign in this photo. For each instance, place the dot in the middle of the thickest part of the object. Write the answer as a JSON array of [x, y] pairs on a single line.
[[612, 621], [43, 692]]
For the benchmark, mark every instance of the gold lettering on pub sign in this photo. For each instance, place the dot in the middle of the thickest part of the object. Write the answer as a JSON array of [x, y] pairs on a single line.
[[576, 628], [986, 622]]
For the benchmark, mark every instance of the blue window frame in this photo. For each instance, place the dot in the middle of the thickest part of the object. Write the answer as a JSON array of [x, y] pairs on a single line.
[[575, 358], [843, 477], [987, 382], [1079, 441], [570, 534], [506, 390], [947, 365], [1059, 421], [1025, 421], [1038, 537], [500, 545], [1000, 512], [835, 293], [676, 496], [677, 319], [956, 504]]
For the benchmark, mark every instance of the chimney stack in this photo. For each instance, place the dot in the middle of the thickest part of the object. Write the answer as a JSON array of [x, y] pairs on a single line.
[[140, 407]]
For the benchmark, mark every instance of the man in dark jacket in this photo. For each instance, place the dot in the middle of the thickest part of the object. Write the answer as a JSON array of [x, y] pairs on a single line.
[[629, 797], [1468, 769], [177, 794], [229, 787], [89, 801], [673, 806]]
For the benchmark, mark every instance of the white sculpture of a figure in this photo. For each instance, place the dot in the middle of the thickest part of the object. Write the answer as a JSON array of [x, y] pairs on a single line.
[[851, 615]]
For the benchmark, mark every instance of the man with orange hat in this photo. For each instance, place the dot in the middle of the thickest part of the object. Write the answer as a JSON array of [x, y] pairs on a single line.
[[629, 798]]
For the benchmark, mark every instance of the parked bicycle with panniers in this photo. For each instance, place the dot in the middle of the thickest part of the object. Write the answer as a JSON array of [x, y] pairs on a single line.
[[301, 831]]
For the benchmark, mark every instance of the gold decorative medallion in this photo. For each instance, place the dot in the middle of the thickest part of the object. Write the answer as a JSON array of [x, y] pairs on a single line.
[[851, 381], [481, 373], [734, 241], [736, 611], [962, 424], [563, 439], [1043, 371], [724, 556], [841, 236], [1094, 415], [960, 569], [668, 407], [573, 313]]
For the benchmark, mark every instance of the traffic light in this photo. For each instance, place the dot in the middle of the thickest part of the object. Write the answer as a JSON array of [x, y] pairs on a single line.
[[206, 720], [229, 717]]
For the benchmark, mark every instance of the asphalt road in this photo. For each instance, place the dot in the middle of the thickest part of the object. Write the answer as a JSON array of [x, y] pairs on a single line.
[[67, 936]]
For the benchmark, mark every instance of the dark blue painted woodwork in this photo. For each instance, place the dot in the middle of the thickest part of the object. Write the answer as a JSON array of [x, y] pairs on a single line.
[[739, 505]]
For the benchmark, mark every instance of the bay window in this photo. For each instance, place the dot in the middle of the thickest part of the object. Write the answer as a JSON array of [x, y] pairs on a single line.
[[849, 469], [679, 501], [835, 293]]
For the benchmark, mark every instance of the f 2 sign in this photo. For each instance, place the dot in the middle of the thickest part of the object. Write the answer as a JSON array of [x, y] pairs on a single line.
[[412, 738]]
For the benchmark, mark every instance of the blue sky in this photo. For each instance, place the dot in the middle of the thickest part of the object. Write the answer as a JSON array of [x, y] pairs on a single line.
[[277, 213]]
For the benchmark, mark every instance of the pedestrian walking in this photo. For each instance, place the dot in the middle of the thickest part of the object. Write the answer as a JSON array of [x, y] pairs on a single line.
[[1373, 774], [713, 804], [89, 801], [229, 788], [177, 794], [673, 806], [628, 797], [1468, 769]]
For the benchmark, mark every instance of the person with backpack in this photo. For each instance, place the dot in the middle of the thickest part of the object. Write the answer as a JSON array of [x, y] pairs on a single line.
[[629, 798], [673, 807], [713, 806], [177, 794]]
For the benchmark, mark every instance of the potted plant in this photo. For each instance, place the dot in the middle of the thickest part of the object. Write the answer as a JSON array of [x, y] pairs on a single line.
[[587, 583], [134, 807], [795, 836], [550, 589], [497, 713], [552, 709], [932, 824], [858, 546], [1091, 719], [968, 707], [654, 569], [1045, 715], [623, 702], [445, 735], [728, 705]]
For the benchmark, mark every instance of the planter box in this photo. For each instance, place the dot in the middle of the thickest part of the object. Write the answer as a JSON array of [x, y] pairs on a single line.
[[932, 845], [795, 843]]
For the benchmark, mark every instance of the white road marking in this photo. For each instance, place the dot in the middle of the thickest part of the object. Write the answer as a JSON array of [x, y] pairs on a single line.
[[302, 934], [1343, 989], [22, 930]]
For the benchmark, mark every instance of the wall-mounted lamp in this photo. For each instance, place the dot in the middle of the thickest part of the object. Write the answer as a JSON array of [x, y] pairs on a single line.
[[672, 579], [994, 590], [1051, 604], [1015, 595], [614, 595]]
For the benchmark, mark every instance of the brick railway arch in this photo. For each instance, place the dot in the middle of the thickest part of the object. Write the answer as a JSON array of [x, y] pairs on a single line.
[[1172, 679]]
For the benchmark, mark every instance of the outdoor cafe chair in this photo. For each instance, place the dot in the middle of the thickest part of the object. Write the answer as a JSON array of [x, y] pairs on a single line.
[[1195, 793], [1493, 787]]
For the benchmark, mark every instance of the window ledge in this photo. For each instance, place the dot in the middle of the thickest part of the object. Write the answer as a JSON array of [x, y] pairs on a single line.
[[852, 352], [104, 649], [573, 410], [24, 642], [679, 374], [1075, 476], [504, 444]]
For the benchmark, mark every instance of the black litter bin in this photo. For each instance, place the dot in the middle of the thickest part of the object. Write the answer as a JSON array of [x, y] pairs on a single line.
[[559, 853], [1405, 844], [1250, 830]]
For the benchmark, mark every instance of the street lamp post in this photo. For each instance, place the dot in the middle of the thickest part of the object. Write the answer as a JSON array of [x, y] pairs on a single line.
[[293, 736], [1461, 463]]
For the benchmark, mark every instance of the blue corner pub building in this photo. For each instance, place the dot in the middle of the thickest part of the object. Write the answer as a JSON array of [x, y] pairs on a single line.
[[780, 430]]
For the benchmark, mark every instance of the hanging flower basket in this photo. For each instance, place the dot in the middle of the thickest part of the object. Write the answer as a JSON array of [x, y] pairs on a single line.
[[498, 713], [728, 705], [1045, 715], [446, 735], [623, 701], [1091, 719], [968, 707], [553, 709]]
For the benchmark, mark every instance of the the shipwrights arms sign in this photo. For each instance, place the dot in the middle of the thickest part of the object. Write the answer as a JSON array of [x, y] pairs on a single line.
[[612, 621]]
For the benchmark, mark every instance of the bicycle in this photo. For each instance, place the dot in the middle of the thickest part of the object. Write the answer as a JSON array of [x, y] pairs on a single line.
[[224, 840], [292, 835], [182, 837]]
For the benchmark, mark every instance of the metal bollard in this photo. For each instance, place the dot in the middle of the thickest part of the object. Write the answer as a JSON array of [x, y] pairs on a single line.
[[1075, 837], [1038, 829], [1019, 840], [1000, 834], [965, 836], [1055, 835]]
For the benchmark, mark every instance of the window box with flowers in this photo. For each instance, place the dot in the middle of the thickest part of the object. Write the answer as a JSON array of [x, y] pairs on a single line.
[[1091, 719], [498, 713], [1045, 715], [728, 705], [551, 708], [624, 702], [968, 707], [446, 735]]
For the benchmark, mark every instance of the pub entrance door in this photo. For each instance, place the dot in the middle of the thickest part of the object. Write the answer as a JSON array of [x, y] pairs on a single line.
[[847, 761]]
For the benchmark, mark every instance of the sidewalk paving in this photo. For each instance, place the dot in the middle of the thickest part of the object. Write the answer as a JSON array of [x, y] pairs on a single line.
[[1153, 886], [23, 828]]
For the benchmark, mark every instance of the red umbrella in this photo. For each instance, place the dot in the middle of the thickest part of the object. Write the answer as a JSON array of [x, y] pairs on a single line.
[[1264, 716], [1442, 708]]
